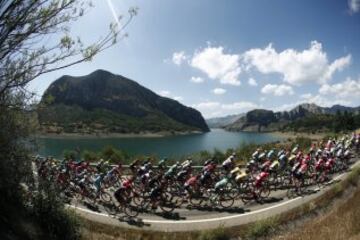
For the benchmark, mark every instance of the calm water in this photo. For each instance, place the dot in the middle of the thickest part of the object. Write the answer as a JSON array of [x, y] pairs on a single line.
[[172, 146]]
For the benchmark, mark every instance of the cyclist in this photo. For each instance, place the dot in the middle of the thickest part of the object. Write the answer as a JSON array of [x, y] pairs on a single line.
[[256, 154], [228, 164], [162, 164], [187, 163], [98, 181], [113, 173], [172, 170], [134, 165], [191, 184], [122, 194], [220, 185]]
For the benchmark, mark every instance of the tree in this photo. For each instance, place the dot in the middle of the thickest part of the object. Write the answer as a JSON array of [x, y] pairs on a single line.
[[25, 54]]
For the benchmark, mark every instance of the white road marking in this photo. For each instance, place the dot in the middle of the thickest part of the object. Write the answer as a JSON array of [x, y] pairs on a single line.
[[205, 220], [337, 177], [194, 221]]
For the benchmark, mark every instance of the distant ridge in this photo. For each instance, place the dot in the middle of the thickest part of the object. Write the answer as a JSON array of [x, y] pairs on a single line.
[[219, 122], [261, 120]]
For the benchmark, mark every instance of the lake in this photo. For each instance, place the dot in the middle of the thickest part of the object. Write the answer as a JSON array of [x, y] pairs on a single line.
[[170, 146]]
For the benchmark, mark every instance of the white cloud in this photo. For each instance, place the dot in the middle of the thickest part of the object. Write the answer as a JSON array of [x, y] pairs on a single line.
[[285, 107], [218, 65], [277, 90], [252, 82], [168, 94], [178, 57], [205, 106], [319, 100], [306, 95], [164, 93], [354, 6], [240, 106], [196, 80], [327, 101], [178, 98], [348, 89], [219, 91], [216, 109], [297, 67]]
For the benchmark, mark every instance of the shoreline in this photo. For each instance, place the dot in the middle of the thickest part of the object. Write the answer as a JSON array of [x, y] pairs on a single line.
[[292, 135], [113, 135]]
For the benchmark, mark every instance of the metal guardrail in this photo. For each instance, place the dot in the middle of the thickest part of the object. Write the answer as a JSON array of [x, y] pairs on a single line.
[[198, 167], [168, 166]]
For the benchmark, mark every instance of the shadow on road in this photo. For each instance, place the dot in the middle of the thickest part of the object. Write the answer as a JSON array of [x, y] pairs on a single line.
[[172, 216], [137, 222], [92, 207], [271, 200], [218, 209]]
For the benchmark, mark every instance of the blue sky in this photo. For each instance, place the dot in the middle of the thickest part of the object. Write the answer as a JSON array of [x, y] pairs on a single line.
[[227, 57]]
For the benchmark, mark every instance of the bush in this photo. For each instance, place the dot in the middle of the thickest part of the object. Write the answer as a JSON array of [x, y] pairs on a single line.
[[90, 156], [114, 155], [244, 152], [303, 142], [55, 220], [70, 154], [218, 156]]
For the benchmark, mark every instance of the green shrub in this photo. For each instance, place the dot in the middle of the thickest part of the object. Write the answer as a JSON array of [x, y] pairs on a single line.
[[114, 155], [70, 154], [303, 142], [244, 151], [90, 156], [218, 156], [56, 221]]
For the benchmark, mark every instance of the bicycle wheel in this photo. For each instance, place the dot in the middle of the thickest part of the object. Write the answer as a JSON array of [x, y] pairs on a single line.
[[137, 199], [246, 193], [178, 201], [286, 182], [225, 200], [291, 193], [231, 189], [321, 180], [273, 181], [130, 210], [196, 199], [106, 197], [264, 191], [165, 203], [177, 196], [112, 208], [78, 195]]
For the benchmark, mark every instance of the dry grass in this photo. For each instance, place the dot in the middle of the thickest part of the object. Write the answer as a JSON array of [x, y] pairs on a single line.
[[98, 231], [342, 222]]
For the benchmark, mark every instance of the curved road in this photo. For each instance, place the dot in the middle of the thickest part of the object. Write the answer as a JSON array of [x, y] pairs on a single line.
[[184, 219]]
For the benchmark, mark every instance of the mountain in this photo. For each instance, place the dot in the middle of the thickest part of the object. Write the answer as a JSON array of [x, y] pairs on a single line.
[[261, 120], [258, 120], [340, 108], [102, 102], [223, 121]]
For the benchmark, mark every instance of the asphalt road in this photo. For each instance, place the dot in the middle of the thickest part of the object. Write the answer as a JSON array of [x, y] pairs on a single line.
[[185, 219]]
